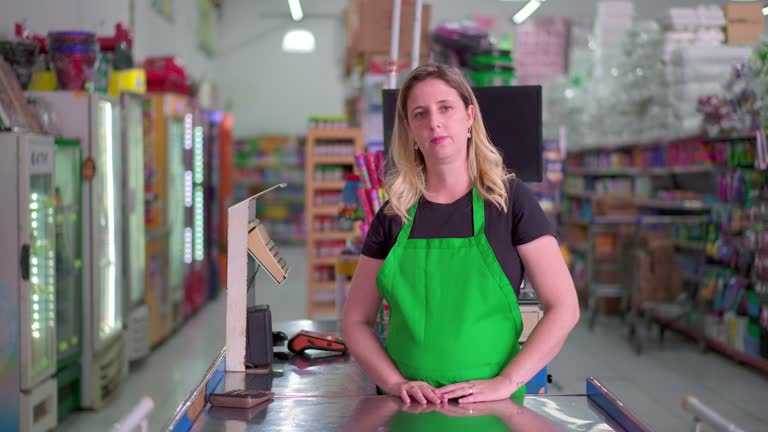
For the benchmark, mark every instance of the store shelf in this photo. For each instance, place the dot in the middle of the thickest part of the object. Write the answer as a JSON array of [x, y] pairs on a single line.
[[692, 205], [694, 169], [639, 172], [324, 308], [329, 185], [575, 220], [730, 138], [333, 235], [756, 362], [581, 195], [315, 137], [691, 278], [325, 210], [333, 160], [279, 164], [323, 260], [691, 245], [323, 285], [602, 172], [266, 183], [347, 134]]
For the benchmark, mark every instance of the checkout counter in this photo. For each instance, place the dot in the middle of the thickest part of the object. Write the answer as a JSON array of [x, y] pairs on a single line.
[[332, 393]]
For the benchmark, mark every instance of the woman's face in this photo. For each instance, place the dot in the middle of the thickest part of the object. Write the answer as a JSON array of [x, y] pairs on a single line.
[[438, 121]]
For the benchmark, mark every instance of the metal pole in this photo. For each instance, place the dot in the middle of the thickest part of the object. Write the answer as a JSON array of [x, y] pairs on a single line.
[[394, 43], [416, 43], [704, 414]]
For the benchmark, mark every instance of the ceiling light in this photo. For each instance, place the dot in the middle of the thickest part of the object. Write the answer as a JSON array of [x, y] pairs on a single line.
[[526, 11], [296, 13], [299, 41]]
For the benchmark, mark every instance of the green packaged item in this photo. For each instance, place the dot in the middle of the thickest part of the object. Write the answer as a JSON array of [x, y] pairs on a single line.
[[487, 78]]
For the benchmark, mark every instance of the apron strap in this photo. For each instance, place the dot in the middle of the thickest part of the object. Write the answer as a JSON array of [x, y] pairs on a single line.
[[405, 231], [478, 212]]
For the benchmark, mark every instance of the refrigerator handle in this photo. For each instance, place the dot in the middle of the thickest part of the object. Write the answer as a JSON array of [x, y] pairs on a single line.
[[25, 262]]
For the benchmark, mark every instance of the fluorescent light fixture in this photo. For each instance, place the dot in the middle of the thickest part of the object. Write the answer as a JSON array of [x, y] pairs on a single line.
[[299, 41], [296, 12], [526, 11]]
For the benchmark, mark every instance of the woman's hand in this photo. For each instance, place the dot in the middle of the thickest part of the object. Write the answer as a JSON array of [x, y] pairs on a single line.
[[479, 390], [418, 391]]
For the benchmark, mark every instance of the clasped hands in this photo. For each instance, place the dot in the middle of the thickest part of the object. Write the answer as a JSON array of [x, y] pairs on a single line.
[[493, 389]]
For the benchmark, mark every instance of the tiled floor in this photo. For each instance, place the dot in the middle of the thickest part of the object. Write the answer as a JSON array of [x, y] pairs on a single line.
[[651, 385]]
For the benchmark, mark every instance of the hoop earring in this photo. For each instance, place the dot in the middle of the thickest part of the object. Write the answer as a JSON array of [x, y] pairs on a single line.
[[469, 133]]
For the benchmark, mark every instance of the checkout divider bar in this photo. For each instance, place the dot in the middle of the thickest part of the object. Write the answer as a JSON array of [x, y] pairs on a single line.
[[612, 407], [193, 404]]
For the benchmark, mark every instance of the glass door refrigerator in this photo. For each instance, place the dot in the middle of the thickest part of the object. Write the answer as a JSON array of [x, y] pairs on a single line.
[[27, 284], [178, 138], [133, 227], [195, 203], [94, 119], [166, 134], [212, 129], [69, 266]]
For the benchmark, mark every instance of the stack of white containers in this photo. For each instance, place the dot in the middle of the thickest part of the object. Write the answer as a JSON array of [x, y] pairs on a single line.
[[644, 85], [698, 62], [612, 20], [540, 52]]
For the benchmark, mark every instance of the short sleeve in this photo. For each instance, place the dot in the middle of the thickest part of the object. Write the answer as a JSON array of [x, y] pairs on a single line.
[[382, 235], [529, 221]]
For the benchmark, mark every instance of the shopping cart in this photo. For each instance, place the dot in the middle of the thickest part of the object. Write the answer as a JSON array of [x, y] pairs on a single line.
[[643, 314], [704, 415]]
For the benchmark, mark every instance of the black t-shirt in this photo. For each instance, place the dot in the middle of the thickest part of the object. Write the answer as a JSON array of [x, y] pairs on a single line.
[[523, 222]]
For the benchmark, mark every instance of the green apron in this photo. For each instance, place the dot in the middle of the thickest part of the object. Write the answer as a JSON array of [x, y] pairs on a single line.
[[454, 315]]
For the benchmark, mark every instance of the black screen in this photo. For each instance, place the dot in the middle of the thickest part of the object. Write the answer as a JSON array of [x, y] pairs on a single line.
[[512, 117]]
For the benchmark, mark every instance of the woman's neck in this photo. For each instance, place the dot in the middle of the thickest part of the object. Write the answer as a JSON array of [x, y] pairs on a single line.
[[446, 184]]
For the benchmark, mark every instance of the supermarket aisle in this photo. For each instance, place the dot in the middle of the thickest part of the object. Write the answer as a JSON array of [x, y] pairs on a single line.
[[652, 385], [176, 366]]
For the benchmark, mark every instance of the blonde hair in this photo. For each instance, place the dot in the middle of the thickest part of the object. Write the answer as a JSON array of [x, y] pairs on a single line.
[[405, 181]]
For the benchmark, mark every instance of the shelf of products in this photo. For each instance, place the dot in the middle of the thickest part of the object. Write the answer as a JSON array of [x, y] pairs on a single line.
[[548, 191], [721, 263], [260, 163], [602, 185], [330, 158]]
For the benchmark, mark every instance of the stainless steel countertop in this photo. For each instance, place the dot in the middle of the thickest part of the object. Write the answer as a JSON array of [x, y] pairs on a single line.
[[335, 394]]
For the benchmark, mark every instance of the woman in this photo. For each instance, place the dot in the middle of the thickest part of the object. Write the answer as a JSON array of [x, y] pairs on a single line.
[[447, 252]]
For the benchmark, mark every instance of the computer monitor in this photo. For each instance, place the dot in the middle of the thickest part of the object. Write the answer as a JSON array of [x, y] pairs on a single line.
[[512, 117]]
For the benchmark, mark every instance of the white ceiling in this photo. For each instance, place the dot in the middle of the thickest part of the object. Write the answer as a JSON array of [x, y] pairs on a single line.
[[243, 15], [499, 8]]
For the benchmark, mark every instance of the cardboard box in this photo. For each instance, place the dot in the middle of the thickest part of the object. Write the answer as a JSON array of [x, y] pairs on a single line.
[[743, 34], [369, 26], [614, 205], [745, 23], [744, 12]]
